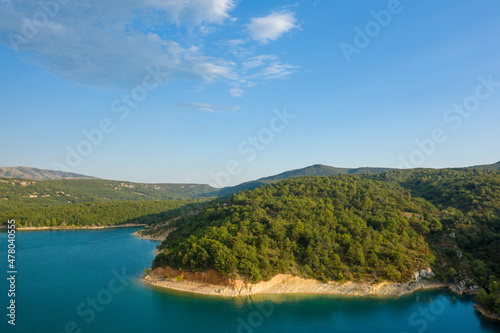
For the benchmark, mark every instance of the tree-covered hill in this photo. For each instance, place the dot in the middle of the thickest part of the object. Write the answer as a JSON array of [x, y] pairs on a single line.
[[340, 227], [469, 203], [494, 166], [320, 222], [313, 170], [22, 193], [469, 243], [321, 170], [365, 227], [470, 190]]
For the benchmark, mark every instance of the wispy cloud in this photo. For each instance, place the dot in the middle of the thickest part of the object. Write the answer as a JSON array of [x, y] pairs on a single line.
[[207, 107], [265, 67], [109, 43], [254, 70], [113, 43], [192, 11], [256, 61], [271, 27], [236, 92]]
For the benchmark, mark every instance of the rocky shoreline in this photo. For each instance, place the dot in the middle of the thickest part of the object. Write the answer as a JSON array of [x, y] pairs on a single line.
[[156, 237], [156, 232], [486, 313], [212, 283]]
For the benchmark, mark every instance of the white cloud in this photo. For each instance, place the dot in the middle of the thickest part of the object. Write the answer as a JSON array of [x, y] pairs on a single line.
[[192, 11], [271, 27], [207, 107], [264, 67], [235, 42], [206, 30], [275, 70], [236, 92], [111, 43], [256, 61]]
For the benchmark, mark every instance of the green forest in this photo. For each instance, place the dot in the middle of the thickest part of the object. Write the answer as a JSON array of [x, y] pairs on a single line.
[[352, 227], [97, 214], [340, 227], [469, 210], [367, 225], [23, 193]]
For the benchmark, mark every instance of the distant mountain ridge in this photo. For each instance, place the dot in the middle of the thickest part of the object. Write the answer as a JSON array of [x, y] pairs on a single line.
[[322, 170], [313, 170], [494, 166], [39, 174], [203, 190]]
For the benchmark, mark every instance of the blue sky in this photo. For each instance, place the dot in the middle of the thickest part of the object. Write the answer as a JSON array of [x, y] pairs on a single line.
[[223, 91]]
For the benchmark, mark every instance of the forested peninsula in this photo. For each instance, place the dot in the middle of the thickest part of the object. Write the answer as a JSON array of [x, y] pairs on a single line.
[[362, 229]]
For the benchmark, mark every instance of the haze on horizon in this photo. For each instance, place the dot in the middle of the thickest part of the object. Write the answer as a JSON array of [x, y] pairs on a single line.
[[172, 92]]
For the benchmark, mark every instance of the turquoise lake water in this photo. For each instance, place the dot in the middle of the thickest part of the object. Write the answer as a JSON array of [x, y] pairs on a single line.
[[89, 281]]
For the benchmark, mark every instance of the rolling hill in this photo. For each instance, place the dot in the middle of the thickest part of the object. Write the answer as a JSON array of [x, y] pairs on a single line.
[[313, 170], [46, 188], [23, 193], [328, 228], [366, 227], [494, 166]]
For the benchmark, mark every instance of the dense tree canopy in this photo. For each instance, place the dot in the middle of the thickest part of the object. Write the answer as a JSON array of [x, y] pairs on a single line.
[[97, 214], [23, 193], [469, 243], [366, 226], [370, 226], [340, 227]]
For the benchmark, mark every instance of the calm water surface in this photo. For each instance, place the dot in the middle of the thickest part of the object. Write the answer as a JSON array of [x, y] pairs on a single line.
[[89, 281]]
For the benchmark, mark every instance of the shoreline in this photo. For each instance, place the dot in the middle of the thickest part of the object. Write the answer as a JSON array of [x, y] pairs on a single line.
[[158, 238], [202, 283], [486, 313], [128, 225]]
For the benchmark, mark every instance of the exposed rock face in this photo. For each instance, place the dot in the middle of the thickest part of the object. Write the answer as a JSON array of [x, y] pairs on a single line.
[[423, 274], [465, 286], [212, 283]]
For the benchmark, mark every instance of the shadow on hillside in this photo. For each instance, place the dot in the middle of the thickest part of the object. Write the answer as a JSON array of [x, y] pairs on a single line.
[[151, 219]]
